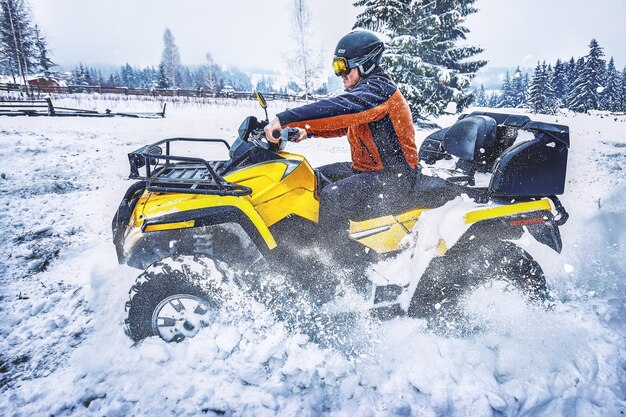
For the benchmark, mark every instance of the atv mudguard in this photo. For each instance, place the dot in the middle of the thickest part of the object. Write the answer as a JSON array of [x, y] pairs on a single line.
[[541, 224]]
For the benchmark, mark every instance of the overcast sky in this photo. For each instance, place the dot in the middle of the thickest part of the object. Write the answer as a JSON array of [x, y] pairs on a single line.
[[256, 33]]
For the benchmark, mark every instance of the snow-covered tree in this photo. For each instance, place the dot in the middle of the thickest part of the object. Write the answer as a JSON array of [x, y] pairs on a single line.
[[264, 85], [422, 55], [43, 59], [505, 92], [610, 99], [128, 76], [622, 105], [304, 61], [560, 84], [170, 59], [584, 94], [540, 95], [211, 75], [481, 97], [163, 80], [517, 89]]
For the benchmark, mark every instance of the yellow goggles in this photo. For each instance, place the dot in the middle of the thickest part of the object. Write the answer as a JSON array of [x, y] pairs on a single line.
[[340, 66]]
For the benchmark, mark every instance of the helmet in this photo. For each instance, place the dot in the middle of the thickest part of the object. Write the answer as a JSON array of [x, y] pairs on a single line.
[[358, 49]]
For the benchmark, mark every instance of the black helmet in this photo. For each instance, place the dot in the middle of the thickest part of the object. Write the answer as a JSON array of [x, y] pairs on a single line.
[[358, 48]]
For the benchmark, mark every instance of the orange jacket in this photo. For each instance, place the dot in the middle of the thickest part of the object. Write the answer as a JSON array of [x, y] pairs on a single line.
[[375, 117]]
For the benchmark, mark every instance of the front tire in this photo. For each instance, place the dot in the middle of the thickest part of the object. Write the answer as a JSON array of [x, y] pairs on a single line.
[[449, 278], [174, 298]]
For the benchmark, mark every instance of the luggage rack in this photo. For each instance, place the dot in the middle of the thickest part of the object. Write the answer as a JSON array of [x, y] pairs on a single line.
[[167, 173]]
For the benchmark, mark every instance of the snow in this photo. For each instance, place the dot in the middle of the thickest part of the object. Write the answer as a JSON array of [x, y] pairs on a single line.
[[64, 352]]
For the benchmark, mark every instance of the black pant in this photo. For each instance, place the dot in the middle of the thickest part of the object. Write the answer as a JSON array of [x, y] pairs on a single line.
[[355, 195]]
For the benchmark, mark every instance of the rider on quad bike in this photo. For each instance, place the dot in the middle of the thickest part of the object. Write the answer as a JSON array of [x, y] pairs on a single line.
[[202, 229], [377, 120]]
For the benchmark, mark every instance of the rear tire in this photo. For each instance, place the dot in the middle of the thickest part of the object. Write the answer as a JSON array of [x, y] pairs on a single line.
[[449, 278], [174, 298]]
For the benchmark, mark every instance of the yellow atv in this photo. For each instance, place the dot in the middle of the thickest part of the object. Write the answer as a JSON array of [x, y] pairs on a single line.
[[199, 227]]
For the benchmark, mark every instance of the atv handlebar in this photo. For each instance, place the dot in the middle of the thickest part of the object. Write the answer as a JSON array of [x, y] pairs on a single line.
[[290, 134]]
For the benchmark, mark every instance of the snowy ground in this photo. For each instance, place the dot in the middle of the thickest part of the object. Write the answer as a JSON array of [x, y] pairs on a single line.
[[63, 350]]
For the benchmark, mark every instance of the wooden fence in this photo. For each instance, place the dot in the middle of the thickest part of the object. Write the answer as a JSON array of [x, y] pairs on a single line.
[[151, 92]]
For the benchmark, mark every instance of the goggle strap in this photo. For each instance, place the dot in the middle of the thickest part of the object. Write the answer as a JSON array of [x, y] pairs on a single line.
[[360, 61]]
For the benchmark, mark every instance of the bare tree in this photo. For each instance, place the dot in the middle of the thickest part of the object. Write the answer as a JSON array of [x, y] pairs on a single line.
[[304, 61], [170, 59], [210, 78]]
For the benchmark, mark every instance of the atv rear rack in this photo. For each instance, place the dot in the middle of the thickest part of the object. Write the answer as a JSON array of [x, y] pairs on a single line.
[[167, 173]]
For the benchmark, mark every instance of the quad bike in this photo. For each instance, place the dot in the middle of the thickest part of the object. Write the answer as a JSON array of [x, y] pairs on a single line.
[[200, 227]]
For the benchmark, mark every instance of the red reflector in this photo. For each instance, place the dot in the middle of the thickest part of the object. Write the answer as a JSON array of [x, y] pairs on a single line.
[[526, 222]]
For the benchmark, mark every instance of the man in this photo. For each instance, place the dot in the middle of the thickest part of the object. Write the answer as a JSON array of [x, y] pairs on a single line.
[[375, 117]]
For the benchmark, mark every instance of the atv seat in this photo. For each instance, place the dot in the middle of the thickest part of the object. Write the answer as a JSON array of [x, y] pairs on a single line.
[[425, 192], [432, 192]]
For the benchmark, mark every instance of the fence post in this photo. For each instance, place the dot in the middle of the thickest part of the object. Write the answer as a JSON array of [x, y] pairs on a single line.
[[50, 106]]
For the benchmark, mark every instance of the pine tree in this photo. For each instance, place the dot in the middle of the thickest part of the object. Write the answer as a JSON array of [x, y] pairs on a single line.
[[506, 96], [526, 86], [610, 97], [127, 74], [170, 59], [622, 106], [422, 55], [481, 97], [494, 99], [584, 94], [560, 83], [43, 60], [517, 90], [163, 80], [541, 96]]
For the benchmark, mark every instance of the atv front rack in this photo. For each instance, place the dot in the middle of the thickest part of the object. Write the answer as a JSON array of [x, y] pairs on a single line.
[[167, 173]]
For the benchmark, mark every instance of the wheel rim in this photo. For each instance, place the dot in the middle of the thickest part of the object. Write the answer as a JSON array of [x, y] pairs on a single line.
[[180, 316]]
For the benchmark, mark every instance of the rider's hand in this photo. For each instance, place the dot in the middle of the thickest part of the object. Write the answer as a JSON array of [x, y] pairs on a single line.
[[270, 128]]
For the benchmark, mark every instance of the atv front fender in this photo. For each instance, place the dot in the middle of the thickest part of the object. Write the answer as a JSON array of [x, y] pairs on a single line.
[[196, 232]]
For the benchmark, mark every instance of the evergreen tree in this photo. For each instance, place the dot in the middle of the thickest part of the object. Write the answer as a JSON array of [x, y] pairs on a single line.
[[571, 72], [264, 85], [127, 76], [293, 87], [517, 90], [610, 99], [559, 83], [170, 59], [43, 60], [186, 78], [238, 80], [526, 86], [622, 106], [584, 93], [541, 96], [422, 55], [506, 96], [163, 80], [481, 97], [79, 75], [18, 53], [494, 99]]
